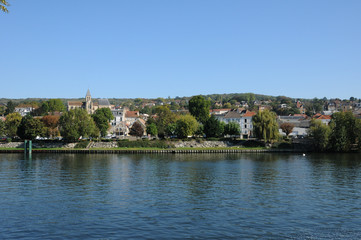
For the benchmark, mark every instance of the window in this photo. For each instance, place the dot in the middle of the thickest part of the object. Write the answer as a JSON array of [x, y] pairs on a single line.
[[245, 125], [245, 120]]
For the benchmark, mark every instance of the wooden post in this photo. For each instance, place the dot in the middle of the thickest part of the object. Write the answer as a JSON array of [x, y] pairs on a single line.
[[25, 147]]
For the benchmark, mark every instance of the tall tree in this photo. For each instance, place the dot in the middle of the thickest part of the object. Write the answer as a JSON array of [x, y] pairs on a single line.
[[345, 131], [265, 126], [10, 107], [213, 127], [320, 133], [2, 128], [12, 123], [30, 128], [164, 117], [77, 123], [3, 6], [186, 126], [199, 108], [51, 123], [102, 117]]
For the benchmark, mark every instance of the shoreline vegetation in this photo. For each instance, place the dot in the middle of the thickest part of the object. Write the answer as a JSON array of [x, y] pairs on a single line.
[[153, 146]]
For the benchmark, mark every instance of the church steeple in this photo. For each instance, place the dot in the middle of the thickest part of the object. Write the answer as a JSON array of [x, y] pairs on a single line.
[[88, 102]]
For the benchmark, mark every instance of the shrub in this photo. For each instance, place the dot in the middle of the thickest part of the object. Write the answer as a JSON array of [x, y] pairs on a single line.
[[145, 144], [82, 144]]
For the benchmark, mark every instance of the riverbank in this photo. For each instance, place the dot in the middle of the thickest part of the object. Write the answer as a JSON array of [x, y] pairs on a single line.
[[193, 146], [153, 151]]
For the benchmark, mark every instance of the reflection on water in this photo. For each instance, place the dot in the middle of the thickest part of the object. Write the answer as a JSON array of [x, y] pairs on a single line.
[[267, 196]]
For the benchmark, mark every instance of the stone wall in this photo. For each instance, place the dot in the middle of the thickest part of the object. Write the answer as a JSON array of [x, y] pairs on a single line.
[[103, 145], [12, 145], [202, 144]]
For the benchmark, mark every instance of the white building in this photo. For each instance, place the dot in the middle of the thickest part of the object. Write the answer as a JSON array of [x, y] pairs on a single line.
[[243, 118]]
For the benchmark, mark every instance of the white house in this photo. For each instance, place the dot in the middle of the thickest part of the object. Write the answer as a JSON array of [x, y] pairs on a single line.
[[243, 118], [24, 110]]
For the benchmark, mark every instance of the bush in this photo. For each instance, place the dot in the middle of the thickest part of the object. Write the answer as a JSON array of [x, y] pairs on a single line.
[[82, 144], [283, 145], [253, 143], [145, 144]]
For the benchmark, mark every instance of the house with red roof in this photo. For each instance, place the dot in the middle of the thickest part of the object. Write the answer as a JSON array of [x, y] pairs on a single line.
[[325, 119], [241, 117]]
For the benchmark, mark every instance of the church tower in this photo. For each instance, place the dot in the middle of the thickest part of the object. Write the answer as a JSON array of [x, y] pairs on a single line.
[[88, 102]]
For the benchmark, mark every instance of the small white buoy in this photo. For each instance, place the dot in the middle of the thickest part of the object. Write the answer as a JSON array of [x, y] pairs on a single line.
[[304, 154]]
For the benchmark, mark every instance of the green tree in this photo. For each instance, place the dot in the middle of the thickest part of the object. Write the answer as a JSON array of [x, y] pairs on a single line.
[[10, 107], [320, 133], [102, 117], [164, 117], [12, 123], [77, 123], [199, 108], [30, 128], [2, 128], [345, 132], [170, 130], [152, 129], [265, 125], [3, 6], [186, 126], [232, 128], [213, 127], [136, 130], [55, 105], [50, 106]]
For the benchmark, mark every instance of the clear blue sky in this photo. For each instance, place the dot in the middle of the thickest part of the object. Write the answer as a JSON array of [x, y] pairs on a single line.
[[161, 48]]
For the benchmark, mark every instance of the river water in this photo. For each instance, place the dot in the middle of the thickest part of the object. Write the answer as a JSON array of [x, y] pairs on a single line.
[[199, 196]]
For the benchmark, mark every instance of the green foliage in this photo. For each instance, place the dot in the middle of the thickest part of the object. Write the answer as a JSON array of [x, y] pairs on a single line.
[[136, 130], [320, 133], [186, 126], [213, 127], [171, 129], [232, 128], [2, 128], [10, 107], [199, 108], [77, 123], [265, 126], [102, 117], [12, 123], [82, 144], [152, 129], [145, 144], [30, 128], [164, 118], [50, 106], [345, 132]]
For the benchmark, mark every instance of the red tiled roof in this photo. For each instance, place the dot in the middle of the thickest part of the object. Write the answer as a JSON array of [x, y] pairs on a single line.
[[132, 114], [75, 103], [249, 114], [324, 117]]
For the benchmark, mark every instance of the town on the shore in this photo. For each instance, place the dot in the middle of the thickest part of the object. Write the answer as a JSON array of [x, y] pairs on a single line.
[[328, 124]]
